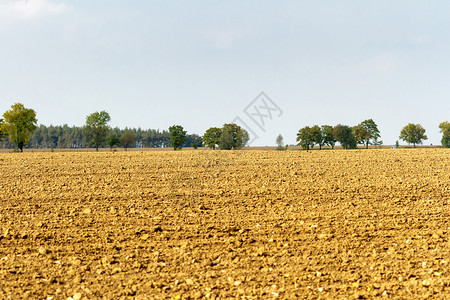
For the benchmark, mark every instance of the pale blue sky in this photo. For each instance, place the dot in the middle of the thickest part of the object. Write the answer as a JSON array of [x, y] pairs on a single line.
[[152, 64]]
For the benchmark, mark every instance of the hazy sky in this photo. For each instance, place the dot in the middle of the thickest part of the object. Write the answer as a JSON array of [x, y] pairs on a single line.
[[152, 64]]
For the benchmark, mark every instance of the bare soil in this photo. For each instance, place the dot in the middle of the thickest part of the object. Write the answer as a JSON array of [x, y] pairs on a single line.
[[218, 224]]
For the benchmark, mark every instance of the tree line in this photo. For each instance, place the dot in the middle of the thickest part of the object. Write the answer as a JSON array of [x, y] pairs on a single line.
[[365, 133], [19, 129], [65, 136]]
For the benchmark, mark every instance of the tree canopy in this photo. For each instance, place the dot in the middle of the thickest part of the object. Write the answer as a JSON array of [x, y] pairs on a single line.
[[127, 139], [19, 123], [413, 134], [328, 137], [97, 127], [305, 138], [112, 141], [344, 135], [230, 136], [367, 133], [211, 138], [177, 136], [445, 130], [316, 135], [233, 136]]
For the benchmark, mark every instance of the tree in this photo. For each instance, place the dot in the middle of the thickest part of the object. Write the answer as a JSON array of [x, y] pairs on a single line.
[[2, 134], [280, 142], [211, 138], [244, 137], [413, 134], [19, 123], [328, 137], [344, 135], [445, 130], [233, 136], [367, 133], [127, 139], [177, 136], [305, 137], [112, 141], [359, 134], [316, 135], [97, 127]]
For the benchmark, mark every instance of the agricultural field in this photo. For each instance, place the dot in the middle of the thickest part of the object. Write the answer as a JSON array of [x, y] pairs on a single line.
[[225, 224]]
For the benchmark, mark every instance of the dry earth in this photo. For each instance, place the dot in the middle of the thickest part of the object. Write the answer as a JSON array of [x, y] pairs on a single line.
[[214, 224]]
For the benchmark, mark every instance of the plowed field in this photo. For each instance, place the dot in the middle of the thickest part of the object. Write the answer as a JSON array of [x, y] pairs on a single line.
[[215, 224]]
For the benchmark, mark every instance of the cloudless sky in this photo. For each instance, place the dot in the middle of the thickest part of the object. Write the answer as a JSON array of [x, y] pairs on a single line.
[[152, 64]]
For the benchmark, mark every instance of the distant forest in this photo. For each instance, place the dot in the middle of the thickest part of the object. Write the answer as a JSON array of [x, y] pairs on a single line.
[[52, 137]]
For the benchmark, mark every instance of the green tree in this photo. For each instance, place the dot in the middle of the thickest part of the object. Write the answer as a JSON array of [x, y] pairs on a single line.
[[211, 138], [344, 135], [112, 141], [328, 135], [19, 123], [177, 136], [233, 136], [97, 127], [367, 133], [445, 130], [317, 137], [413, 134], [305, 137], [127, 139]]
